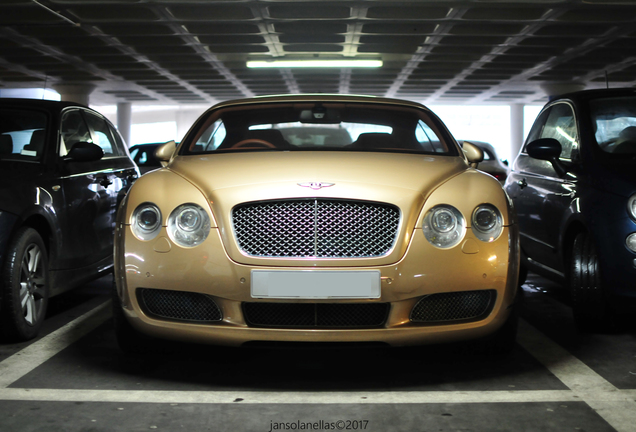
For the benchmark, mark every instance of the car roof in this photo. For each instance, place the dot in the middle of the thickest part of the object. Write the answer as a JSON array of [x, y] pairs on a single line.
[[585, 95], [39, 103], [320, 98]]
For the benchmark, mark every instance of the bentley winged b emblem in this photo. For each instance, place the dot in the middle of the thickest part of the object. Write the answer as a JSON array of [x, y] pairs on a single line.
[[316, 185]]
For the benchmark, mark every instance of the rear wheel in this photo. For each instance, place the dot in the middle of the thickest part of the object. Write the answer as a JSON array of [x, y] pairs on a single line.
[[25, 286], [590, 308]]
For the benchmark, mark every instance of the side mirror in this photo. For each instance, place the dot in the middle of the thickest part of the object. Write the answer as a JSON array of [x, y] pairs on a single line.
[[547, 149], [473, 153], [85, 152], [164, 152]]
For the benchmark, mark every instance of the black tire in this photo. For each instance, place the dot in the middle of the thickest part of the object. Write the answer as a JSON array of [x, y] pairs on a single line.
[[25, 286], [523, 273], [590, 308], [130, 341]]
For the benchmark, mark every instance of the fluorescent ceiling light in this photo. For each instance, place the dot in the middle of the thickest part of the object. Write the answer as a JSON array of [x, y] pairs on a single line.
[[315, 64]]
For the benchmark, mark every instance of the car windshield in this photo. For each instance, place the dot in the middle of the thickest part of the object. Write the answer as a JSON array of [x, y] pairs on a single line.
[[319, 126], [615, 123], [22, 135]]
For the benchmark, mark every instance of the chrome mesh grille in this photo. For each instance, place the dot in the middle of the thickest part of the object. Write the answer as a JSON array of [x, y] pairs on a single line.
[[178, 305], [316, 228], [454, 306], [316, 315]]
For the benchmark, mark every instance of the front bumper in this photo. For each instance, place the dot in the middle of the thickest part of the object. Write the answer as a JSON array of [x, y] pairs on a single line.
[[424, 270]]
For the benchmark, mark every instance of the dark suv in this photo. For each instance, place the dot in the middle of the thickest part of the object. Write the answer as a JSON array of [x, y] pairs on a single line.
[[64, 169]]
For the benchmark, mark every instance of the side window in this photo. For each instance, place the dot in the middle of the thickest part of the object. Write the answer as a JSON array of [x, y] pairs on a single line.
[[427, 138], [119, 141], [211, 138], [561, 125], [74, 130], [103, 135], [537, 127]]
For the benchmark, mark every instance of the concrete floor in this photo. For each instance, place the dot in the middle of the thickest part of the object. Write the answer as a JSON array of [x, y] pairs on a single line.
[[74, 378]]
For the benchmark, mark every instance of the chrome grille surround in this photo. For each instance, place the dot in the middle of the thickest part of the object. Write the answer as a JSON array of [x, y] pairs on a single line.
[[178, 305], [315, 227], [454, 306]]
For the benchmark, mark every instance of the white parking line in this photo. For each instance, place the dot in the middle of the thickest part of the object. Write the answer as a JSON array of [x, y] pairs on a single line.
[[251, 397], [617, 407], [24, 361]]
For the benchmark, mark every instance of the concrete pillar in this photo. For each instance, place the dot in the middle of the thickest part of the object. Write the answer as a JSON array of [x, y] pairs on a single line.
[[516, 130], [78, 93], [124, 120]]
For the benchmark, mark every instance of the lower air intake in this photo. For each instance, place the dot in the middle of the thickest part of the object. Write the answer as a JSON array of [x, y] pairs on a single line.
[[454, 306], [316, 315], [178, 305]]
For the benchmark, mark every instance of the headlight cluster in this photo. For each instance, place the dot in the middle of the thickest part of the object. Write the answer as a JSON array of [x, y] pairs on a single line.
[[631, 206], [444, 226], [188, 224], [146, 221]]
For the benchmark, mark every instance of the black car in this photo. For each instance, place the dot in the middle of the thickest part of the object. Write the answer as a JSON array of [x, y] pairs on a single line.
[[144, 156], [64, 169], [574, 189]]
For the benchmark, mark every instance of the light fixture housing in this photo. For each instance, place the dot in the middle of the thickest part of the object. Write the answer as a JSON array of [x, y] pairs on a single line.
[[315, 64]]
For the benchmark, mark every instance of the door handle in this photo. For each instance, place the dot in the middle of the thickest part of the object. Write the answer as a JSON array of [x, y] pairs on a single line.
[[522, 183]]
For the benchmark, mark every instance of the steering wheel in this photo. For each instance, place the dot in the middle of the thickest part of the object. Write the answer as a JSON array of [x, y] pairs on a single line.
[[253, 141]]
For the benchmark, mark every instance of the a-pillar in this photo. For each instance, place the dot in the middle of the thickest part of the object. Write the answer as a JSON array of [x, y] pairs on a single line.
[[78, 93], [516, 129], [185, 118], [124, 120]]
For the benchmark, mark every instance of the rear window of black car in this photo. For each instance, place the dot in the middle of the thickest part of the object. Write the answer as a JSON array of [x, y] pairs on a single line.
[[22, 135]]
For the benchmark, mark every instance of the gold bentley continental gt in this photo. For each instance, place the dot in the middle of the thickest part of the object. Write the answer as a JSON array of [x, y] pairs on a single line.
[[316, 218]]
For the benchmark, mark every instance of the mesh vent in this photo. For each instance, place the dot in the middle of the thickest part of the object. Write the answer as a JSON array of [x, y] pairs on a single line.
[[455, 306], [315, 315], [316, 228], [178, 305]]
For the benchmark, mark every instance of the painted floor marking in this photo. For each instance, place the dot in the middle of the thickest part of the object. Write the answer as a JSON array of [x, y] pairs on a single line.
[[277, 397], [24, 361], [617, 407]]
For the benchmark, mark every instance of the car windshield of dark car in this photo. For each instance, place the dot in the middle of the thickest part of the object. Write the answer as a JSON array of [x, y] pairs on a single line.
[[615, 122], [22, 135], [319, 126]]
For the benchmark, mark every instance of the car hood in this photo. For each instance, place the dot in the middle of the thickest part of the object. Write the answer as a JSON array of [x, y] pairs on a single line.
[[230, 179], [619, 179]]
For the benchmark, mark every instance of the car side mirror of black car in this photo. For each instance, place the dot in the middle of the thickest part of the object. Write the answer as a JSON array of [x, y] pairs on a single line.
[[548, 149], [85, 152]]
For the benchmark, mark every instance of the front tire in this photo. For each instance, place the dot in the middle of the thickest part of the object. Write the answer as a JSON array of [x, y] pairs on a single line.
[[590, 308], [25, 286]]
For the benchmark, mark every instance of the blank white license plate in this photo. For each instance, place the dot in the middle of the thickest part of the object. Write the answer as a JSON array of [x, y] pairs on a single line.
[[315, 284]]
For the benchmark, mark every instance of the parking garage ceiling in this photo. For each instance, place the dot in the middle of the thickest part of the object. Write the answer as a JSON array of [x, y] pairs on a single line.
[[433, 51]]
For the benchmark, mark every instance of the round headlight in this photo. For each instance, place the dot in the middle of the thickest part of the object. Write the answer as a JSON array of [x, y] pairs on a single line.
[[631, 242], [631, 206], [487, 223], [444, 226], [188, 225], [146, 221]]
